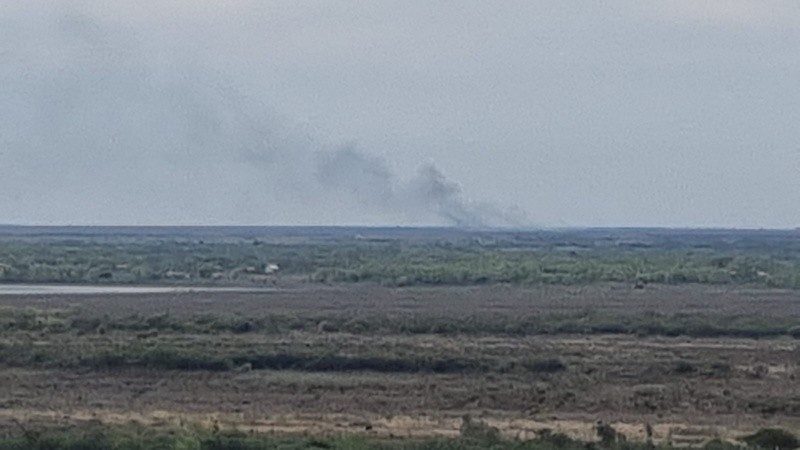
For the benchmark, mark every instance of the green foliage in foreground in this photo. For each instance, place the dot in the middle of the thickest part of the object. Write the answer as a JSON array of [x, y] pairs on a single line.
[[474, 435]]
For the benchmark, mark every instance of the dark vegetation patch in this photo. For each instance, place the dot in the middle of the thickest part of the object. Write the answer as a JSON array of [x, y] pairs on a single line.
[[192, 359], [181, 351], [474, 435], [772, 439], [644, 324], [176, 359]]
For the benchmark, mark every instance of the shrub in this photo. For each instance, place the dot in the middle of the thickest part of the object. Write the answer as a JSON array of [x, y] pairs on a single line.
[[718, 444], [608, 435], [545, 365], [685, 368], [557, 440], [772, 439], [478, 432]]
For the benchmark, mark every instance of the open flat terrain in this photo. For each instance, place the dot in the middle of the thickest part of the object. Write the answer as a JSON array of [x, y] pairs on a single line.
[[693, 362]]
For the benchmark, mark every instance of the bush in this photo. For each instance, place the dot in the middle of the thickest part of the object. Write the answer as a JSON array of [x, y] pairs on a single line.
[[718, 444], [478, 431], [772, 439], [608, 435], [557, 440], [685, 368], [544, 366]]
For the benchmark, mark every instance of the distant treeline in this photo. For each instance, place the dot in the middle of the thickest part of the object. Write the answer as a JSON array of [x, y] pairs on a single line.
[[773, 260]]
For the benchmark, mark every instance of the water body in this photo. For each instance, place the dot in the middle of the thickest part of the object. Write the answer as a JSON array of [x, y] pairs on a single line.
[[50, 289]]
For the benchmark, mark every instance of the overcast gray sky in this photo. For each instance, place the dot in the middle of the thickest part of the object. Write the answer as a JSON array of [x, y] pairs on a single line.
[[531, 113]]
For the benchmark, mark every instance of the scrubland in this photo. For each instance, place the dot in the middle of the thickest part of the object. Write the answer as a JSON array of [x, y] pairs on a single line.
[[566, 358]]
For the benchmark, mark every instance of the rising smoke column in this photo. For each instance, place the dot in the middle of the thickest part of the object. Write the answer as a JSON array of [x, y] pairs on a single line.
[[428, 193], [118, 134]]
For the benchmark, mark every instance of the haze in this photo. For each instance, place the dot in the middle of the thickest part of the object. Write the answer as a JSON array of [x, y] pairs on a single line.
[[548, 113]]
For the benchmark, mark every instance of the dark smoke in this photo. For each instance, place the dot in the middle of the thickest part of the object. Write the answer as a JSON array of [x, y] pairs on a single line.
[[113, 127], [428, 193]]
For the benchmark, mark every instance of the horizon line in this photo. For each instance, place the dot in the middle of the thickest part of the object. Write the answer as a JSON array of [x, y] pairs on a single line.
[[530, 228]]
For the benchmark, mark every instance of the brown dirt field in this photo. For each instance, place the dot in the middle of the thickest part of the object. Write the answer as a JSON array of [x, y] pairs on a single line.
[[728, 386]]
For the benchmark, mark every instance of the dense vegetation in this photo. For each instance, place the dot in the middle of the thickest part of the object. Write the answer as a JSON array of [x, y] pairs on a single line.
[[73, 338], [65, 321], [474, 435], [405, 257], [214, 343]]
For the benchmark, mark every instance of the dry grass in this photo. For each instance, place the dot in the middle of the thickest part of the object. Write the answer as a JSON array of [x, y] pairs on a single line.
[[147, 357]]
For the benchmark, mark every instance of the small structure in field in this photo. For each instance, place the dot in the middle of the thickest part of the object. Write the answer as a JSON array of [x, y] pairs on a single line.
[[176, 275]]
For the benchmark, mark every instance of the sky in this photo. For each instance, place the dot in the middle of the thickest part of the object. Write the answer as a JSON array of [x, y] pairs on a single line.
[[682, 113]]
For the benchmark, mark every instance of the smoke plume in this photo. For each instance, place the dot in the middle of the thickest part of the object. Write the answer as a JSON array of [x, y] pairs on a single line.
[[428, 193], [102, 126]]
